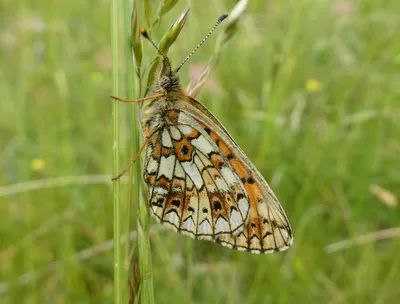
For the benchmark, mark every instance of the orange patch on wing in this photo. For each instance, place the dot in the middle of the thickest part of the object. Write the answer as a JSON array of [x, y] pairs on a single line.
[[254, 194], [156, 153], [147, 130], [253, 226], [163, 182], [217, 161], [224, 148], [183, 149], [154, 142], [173, 116], [239, 168], [149, 178], [166, 151], [194, 134]]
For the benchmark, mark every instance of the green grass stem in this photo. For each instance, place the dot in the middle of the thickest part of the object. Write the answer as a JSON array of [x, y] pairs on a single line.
[[116, 12]]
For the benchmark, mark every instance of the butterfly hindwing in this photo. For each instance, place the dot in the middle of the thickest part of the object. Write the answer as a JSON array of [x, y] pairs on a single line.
[[191, 185]]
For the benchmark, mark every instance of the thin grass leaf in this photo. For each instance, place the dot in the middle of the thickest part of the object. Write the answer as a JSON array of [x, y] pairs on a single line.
[[146, 280], [172, 34], [142, 279], [118, 264], [134, 283], [136, 42], [148, 12], [165, 7]]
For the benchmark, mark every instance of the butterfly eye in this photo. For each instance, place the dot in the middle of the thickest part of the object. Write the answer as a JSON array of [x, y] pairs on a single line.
[[165, 82]]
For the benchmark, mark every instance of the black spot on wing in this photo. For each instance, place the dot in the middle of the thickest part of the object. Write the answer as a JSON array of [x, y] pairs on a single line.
[[176, 203], [239, 196], [217, 205], [185, 150], [250, 180], [159, 202]]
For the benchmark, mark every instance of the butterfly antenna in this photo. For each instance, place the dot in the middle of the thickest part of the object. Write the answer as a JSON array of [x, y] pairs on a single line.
[[146, 35], [220, 19]]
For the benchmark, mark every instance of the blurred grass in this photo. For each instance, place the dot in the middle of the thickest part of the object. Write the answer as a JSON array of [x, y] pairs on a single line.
[[309, 89]]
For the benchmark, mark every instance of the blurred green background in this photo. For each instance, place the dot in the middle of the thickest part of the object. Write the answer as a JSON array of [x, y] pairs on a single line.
[[309, 89]]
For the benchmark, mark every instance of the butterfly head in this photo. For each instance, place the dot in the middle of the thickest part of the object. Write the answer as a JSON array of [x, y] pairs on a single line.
[[167, 79]]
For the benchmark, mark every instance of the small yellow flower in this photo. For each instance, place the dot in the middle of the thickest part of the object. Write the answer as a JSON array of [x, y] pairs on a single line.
[[313, 85], [37, 164]]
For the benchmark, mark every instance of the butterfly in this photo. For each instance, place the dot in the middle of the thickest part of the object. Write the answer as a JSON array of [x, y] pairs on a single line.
[[200, 182]]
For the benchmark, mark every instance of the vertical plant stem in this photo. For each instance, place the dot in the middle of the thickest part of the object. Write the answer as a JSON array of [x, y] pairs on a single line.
[[189, 273], [143, 225], [143, 254], [118, 265]]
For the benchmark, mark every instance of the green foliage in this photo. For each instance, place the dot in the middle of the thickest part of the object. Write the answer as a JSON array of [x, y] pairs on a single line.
[[309, 89]]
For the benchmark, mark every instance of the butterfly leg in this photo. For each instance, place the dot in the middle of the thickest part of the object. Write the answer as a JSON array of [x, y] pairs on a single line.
[[133, 161], [139, 99]]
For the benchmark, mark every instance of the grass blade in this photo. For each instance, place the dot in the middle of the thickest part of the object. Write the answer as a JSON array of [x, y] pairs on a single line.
[[142, 284], [118, 263]]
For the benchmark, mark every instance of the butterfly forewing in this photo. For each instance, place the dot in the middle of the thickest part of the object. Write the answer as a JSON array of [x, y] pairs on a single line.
[[267, 228]]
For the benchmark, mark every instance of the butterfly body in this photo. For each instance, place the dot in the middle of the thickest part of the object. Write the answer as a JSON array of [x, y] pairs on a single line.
[[199, 181], [153, 112]]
